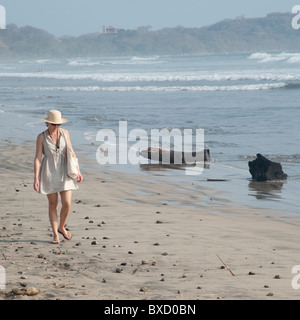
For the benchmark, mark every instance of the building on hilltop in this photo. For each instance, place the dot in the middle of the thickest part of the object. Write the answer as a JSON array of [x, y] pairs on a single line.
[[110, 30]]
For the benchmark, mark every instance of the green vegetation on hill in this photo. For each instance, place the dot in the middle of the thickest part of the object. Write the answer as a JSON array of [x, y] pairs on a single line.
[[271, 33]]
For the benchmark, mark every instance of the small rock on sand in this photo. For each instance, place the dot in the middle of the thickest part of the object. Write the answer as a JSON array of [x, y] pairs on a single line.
[[31, 291]]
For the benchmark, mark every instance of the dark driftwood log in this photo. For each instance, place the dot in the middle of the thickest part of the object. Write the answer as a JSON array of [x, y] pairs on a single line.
[[263, 169], [175, 157]]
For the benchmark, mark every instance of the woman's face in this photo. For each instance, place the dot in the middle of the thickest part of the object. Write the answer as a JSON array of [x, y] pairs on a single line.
[[51, 125]]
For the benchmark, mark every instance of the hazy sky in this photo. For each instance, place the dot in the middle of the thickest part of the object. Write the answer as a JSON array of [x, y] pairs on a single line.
[[75, 17]]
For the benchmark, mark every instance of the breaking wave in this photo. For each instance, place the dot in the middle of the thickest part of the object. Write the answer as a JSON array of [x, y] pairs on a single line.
[[77, 63], [157, 77], [265, 86], [264, 57]]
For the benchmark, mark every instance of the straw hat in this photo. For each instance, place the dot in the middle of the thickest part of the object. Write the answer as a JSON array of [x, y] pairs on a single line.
[[54, 117]]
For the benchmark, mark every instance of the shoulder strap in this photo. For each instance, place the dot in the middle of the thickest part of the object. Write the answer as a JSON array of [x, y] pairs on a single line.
[[44, 134]]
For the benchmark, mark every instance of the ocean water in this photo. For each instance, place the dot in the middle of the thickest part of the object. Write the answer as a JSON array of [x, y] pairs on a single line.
[[246, 104]]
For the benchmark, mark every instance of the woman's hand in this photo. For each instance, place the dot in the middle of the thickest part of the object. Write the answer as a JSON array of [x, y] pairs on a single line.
[[36, 185], [79, 177]]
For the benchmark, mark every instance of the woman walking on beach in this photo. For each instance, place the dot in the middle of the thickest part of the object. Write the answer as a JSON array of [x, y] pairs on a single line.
[[50, 172]]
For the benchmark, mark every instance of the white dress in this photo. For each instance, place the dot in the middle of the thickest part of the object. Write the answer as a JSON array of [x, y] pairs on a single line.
[[53, 173]]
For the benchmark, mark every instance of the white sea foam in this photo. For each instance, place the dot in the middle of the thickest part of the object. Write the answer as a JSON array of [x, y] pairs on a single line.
[[264, 57], [151, 58], [119, 61], [158, 77], [90, 136], [38, 61], [252, 87], [76, 63], [7, 68], [42, 61], [145, 60]]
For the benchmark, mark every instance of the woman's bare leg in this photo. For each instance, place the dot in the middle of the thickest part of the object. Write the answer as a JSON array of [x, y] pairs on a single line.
[[53, 205], [66, 198]]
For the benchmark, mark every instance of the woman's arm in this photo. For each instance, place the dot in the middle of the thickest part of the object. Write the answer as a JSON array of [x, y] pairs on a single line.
[[38, 161], [80, 177]]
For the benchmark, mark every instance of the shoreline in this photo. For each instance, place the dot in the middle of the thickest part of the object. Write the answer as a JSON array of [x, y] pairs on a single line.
[[281, 197], [138, 237]]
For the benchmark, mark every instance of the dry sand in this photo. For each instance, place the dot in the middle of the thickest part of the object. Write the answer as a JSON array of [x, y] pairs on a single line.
[[137, 237]]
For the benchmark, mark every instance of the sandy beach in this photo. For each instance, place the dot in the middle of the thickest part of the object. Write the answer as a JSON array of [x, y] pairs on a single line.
[[139, 237]]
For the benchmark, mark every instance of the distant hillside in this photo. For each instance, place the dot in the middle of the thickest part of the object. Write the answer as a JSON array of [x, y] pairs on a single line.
[[271, 33]]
